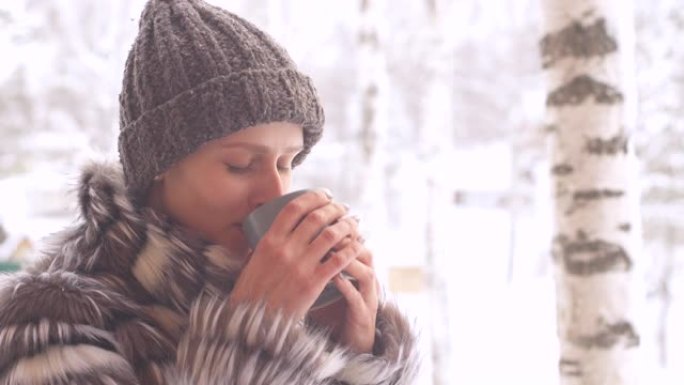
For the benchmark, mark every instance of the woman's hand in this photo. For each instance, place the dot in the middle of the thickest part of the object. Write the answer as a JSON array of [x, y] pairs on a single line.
[[285, 271], [352, 320]]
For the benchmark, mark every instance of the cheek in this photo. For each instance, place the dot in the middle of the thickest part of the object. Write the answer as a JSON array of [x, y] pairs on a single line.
[[217, 211], [215, 199], [198, 202]]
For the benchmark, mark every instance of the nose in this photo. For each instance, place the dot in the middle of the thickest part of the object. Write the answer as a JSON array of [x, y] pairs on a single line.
[[270, 185]]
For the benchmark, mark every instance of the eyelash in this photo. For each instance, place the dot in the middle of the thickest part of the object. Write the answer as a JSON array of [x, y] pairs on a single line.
[[243, 170], [237, 169]]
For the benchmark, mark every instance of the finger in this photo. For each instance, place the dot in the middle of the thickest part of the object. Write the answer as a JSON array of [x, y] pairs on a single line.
[[296, 210], [365, 256], [316, 221], [343, 243], [365, 277], [337, 261], [349, 292], [332, 235]]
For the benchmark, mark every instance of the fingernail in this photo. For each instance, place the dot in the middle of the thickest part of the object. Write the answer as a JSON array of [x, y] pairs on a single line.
[[356, 218], [346, 206], [361, 239], [327, 192]]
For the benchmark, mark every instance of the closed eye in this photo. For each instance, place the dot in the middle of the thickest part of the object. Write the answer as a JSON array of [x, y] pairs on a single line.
[[238, 169]]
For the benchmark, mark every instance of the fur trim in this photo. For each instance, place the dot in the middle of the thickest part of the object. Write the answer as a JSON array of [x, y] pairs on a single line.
[[397, 362], [69, 364], [60, 297], [53, 329], [256, 349]]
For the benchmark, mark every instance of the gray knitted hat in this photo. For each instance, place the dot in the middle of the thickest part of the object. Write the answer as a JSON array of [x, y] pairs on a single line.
[[197, 73]]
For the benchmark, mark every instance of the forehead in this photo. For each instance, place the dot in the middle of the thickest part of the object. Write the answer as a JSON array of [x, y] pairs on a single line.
[[278, 137]]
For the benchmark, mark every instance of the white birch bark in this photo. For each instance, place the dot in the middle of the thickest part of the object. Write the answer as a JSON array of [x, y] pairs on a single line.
[[587, 53], [372, 83], [435, 130]]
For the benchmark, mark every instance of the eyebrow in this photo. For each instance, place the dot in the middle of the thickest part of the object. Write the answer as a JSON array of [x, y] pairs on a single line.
[[260, 148]]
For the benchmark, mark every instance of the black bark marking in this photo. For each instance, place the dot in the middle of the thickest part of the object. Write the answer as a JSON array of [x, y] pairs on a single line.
[[459, 197], [626, 227], [584, 256], [595, 194], [581, 198], [369, 38], [570, 368], [609, 336], [580, 88], [577, 41], [611, 146], [562, 169], [368, 134]]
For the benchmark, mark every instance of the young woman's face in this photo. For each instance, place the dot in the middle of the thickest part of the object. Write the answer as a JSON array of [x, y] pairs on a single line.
[[213, 189]]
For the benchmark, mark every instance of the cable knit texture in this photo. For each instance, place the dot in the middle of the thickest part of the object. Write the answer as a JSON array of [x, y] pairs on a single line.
[[127, 297], [196, 73]]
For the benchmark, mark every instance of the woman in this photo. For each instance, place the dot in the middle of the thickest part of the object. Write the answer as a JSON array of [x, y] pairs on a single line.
[[156, 284]]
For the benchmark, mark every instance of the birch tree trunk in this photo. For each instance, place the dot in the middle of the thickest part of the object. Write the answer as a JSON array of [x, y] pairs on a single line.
[[587, 54], [372, 83], [435, 132]]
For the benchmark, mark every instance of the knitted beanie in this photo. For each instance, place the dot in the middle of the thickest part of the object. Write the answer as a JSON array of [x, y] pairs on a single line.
[[196, 73]]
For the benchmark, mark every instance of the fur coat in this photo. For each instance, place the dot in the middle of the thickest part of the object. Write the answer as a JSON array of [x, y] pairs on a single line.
[[126, 297]]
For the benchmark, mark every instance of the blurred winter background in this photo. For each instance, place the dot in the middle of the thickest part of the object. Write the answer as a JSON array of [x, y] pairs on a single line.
[[434, 135]]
